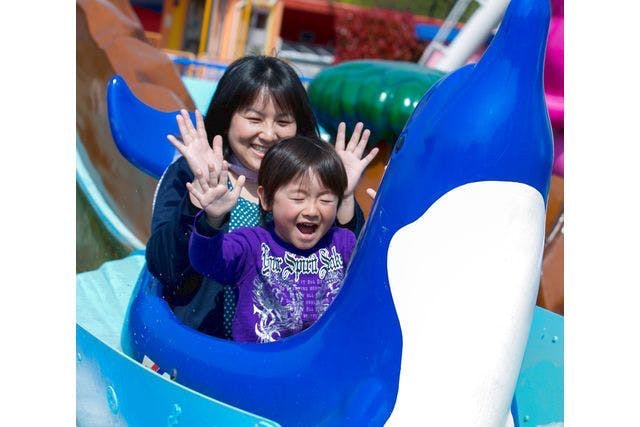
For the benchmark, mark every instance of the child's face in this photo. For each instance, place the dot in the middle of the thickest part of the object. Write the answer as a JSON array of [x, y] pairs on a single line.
[[253, 130], [303, 211]]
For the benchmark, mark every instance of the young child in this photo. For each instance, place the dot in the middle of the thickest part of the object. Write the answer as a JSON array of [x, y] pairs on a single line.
[[289, 270]]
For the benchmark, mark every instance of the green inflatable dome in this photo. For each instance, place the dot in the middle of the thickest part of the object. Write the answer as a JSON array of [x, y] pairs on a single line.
[[381, 94]]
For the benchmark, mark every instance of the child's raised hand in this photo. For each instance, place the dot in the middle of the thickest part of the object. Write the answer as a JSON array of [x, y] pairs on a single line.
[[213, 194], [351, 154], [194, 146]]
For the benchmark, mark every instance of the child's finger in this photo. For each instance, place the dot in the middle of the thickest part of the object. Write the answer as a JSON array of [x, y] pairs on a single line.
[[235, 193], [224, 174], [340, 137], [196, 195], [193, 190], [202, 180], [240, 181], [213, 174], [196, 184]]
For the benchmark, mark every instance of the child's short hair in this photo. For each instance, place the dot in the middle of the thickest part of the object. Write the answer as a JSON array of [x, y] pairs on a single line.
[[299, 156]]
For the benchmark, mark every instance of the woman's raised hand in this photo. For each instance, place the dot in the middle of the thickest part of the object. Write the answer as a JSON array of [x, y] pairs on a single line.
[[351, 154], [213, 194], [194, 145]]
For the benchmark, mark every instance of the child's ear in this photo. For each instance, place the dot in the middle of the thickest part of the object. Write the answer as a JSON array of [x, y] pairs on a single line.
[[263, 204]]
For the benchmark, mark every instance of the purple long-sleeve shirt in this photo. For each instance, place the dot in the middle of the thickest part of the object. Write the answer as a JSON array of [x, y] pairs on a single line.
[[282, 289]]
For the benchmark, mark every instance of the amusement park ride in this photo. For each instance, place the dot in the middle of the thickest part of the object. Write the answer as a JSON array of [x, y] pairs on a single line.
[[493, 358]]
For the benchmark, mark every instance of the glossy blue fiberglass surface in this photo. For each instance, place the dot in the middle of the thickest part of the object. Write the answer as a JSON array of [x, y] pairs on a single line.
[[140, 132]]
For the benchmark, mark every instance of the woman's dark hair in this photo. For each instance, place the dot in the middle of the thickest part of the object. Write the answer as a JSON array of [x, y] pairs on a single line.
[[244, 80], [299, 157]]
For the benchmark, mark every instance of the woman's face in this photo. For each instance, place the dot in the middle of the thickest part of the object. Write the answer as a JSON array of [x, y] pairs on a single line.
[[256, 128]]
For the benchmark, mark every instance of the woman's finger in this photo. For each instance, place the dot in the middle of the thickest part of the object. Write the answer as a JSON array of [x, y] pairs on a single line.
[[176, 143], [181, 126], [340, 137], [188, 122], [371, 193], [193, 162], [362, 144], [202, 133], [355, 137], [217, 147], [369, 157]]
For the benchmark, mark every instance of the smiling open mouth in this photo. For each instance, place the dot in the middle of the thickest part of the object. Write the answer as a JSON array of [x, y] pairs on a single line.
[[259, 148], [307, 228]]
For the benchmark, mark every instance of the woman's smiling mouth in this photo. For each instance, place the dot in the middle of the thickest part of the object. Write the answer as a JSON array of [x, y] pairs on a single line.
[[260, 149]]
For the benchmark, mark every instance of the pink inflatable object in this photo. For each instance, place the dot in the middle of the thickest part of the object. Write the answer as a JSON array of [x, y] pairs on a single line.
[[554, 82], [557, 8], [558, 152], [554, 72], [558, 165], [553, 79]]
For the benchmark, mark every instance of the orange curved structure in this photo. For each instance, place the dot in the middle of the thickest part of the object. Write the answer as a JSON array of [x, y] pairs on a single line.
[[110, 40]]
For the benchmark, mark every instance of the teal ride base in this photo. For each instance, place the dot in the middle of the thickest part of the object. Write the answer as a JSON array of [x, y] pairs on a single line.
[[539, 396], [113, 389]]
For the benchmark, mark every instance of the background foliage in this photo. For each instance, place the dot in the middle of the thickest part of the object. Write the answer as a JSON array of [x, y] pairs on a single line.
[[377, 34], [387, 29]]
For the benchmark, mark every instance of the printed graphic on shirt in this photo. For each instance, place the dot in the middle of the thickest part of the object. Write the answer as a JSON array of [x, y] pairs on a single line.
[[278, 305], [294, 291], [328, 291]]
